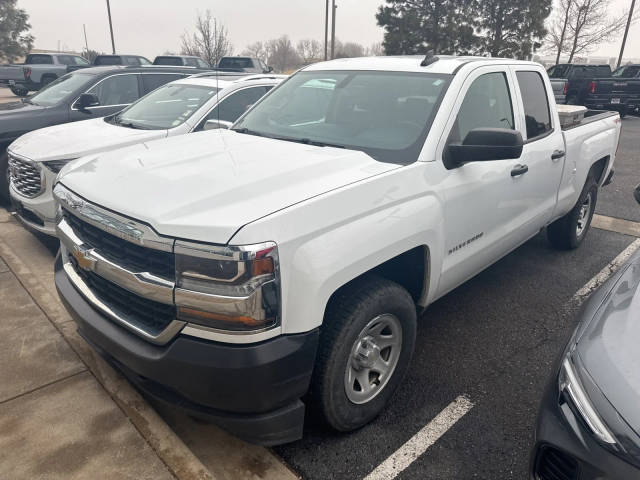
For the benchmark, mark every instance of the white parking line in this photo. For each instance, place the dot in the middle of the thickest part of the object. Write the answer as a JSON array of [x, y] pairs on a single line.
[[421, 441], [605, 273]]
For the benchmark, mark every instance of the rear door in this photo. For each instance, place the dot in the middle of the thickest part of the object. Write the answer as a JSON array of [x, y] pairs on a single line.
[[543, 153]]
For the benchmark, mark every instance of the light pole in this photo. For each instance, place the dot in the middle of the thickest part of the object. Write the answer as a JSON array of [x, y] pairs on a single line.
[[326, 28], [333, 28], [626, 31], [113, 45]]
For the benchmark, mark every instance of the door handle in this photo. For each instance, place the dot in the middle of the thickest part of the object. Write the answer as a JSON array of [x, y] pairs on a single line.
[[557, 154], [519, 170]]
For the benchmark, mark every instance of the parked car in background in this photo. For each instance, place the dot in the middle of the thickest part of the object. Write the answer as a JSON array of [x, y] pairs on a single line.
[[234, 273], [181, 60], [183, 106], [560, 87], [38, 70], [589, 420], [244, 64], [80, 95], [579, 77], [127, 60], [615, 93]]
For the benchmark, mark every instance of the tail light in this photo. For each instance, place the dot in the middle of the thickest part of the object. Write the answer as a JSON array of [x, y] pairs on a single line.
[[592, 87], [27, 72], [566, 88]]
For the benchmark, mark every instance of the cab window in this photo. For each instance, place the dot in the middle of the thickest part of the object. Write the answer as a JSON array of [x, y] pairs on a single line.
[[487, 104], [536, 104]]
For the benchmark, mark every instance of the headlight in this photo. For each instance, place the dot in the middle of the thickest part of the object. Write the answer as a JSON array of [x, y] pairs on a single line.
[[571, 385], [56, 165], [588, 403], [233, 288]]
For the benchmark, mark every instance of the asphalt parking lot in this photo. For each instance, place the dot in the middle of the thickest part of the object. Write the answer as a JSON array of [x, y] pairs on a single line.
[[491, 341]]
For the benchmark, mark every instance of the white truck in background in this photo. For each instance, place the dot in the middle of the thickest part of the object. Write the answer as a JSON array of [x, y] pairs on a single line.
[[241, 274]]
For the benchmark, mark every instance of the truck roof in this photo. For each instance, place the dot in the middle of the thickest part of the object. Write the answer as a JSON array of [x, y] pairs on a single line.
[[411, 63]]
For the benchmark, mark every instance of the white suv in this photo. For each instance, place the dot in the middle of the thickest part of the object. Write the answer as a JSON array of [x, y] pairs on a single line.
[[188, 105]]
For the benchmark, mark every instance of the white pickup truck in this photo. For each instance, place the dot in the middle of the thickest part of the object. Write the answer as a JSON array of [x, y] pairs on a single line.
[[242, 273]]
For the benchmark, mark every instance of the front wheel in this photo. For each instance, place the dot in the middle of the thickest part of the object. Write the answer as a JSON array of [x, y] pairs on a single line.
[[366, 344], [569, 231]]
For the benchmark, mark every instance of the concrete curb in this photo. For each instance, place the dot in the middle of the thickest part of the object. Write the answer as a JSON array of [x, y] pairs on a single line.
[[171, 450]]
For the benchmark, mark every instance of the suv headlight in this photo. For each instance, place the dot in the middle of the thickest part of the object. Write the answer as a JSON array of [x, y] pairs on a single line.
[[588, 404], [229, 288]]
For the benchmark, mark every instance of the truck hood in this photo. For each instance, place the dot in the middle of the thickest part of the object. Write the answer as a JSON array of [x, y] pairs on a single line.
[[205, 186], [608, 347], [77, 139]]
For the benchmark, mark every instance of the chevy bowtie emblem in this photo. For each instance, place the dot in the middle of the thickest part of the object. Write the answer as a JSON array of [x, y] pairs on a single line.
[[83, 260]]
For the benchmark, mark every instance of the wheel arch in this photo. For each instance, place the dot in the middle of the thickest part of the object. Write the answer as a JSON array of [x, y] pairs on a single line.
[[599, 169]]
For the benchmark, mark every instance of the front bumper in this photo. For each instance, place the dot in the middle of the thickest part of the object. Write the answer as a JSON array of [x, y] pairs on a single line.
[[563, 440], [251, 390]]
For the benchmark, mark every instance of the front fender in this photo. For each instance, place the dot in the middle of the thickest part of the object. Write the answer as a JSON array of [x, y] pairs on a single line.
[[327, 241]]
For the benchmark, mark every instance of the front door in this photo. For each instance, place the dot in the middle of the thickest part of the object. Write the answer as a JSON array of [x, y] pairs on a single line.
[[479, 208]]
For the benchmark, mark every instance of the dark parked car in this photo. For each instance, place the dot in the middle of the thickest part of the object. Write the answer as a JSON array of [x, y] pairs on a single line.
[[589, 421], [130, 60], [579, 78], [180, 60], [80, 95]]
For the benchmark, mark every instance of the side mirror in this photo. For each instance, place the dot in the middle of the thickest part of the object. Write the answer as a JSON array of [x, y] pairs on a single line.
[[216, 125], [636, 193], [483, 144], [87, 100]]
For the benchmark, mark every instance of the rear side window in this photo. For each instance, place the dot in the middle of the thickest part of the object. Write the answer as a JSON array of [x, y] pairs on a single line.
[[131, 61], [108, 60], [536, 103], [152, 81], [42, 59], [175, 61], [190, 62], [487, 104]]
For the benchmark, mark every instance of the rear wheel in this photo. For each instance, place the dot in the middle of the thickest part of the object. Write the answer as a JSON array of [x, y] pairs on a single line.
[[19, 91], [569, 231], [365, 347]]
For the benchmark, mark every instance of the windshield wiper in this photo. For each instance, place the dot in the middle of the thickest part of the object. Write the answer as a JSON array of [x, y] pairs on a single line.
[[246, 131], [308, 141]]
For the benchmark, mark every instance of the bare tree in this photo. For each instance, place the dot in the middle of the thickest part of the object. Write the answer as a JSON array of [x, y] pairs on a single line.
[[256, 50], [282, 56], [581, 25], [210, 40], [309, 50], [375, 50], [351, 49]]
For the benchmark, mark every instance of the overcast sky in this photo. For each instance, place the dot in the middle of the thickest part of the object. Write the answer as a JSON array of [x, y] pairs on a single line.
[[151, 27]]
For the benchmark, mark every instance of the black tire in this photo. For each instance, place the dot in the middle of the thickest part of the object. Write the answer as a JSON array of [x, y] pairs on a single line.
[[19, 92], [4, 176], [564, 233], [348, 313]]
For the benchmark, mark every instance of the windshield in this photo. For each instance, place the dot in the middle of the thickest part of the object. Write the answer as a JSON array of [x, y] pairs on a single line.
[[165, 107], [59, 89], [385, 114], [626, 71]]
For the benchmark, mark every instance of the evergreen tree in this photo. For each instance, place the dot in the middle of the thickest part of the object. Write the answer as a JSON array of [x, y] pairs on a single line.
[[512, 28], [416, 26]]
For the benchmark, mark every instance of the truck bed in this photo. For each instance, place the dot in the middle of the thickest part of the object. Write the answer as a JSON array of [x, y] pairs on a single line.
[[590, 117]]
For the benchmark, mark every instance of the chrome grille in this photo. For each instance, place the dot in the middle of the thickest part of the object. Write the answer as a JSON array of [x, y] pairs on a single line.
[[25, 177]]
